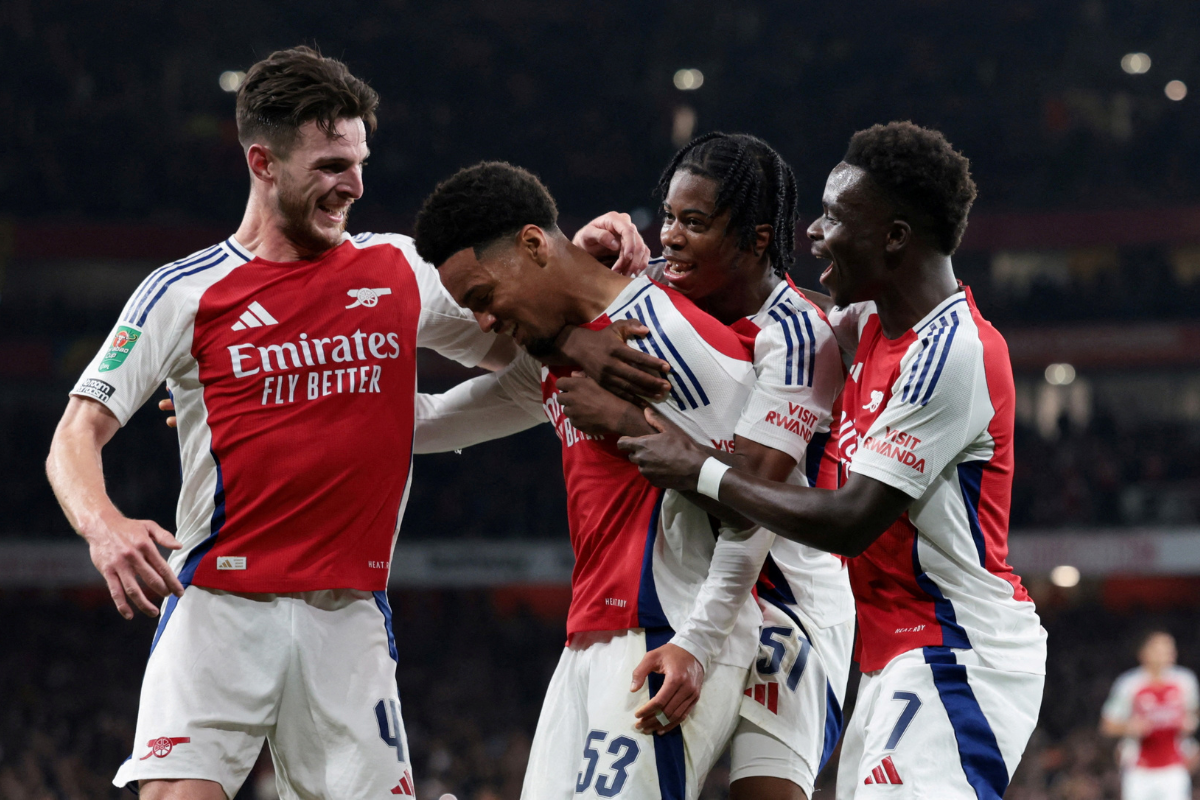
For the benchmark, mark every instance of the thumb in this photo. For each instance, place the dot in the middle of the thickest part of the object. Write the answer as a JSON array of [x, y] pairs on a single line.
[[630, 329], [647, 665], [655, 420]]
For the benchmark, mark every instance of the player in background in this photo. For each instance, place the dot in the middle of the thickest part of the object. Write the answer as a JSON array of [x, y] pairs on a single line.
[[950, 645], [290, 351], [643, 556], [1152, 709], [729, 217]]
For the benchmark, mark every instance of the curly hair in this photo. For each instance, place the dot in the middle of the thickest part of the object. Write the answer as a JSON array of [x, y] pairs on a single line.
[[478, 205], [922, 174], [753, 182], [292, 87]]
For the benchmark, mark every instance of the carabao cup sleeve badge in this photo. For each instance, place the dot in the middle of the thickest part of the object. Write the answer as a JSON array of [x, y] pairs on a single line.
[[119, 348]]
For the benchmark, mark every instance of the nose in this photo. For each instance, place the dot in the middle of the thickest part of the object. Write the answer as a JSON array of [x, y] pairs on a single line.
[[671, 236], [487, 322], [352, 182], [814, 230]]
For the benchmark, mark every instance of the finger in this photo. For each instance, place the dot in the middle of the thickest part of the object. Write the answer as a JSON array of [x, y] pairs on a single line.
[[654, 419], [150, 575], [117, 593], [171, 583], [681, 703], [134, 592], [172, 422], [647, 665], [629, 444], [642, 361], [639, 382], [166, 405], [162, 536], [626, 328]]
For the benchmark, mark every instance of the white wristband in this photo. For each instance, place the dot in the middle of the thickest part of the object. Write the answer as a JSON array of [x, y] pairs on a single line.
[[709, 483]]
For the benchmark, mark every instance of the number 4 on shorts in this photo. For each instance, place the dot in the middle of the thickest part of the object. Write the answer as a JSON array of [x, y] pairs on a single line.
[[388, 716], [913, 705]]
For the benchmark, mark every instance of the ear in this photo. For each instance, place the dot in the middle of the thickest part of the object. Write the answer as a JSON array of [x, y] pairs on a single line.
[[261, 161], [535, 242], [762, 239], [899, 235]]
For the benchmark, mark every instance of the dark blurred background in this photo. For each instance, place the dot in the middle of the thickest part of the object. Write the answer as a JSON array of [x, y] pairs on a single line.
[[118, 153]]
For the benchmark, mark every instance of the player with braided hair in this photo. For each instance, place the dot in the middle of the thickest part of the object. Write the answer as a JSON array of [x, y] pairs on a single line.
[[729, 217], [951, 649]]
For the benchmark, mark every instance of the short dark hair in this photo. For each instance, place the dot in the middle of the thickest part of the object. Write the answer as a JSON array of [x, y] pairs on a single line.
[[753, 182], [292, 87], [921, 173], [478, 205]]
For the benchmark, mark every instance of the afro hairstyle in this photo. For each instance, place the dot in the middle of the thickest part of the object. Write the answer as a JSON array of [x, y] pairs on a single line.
[[478, 205], [921, 173]]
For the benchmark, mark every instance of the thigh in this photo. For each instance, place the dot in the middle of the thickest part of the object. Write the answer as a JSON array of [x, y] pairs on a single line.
[[551, 773], [211, 689], [619, 761], [944, 729], [794, 693], [340, 731]]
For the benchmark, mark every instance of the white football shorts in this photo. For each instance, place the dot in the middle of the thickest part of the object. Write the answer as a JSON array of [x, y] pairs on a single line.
[[1160, 783], [794, 695], [586, 745], [314, 673], [934, 723]]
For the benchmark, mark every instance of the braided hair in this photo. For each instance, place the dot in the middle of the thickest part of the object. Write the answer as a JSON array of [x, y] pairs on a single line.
[[753, 182]]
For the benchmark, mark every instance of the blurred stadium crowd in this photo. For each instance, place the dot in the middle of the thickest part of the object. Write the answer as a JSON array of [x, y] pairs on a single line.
[[72, 669], [112, 113]]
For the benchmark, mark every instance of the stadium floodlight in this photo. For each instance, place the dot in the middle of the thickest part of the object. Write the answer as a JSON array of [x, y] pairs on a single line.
[[687, 80], [1065, 576], [1136, 63], [1060, 374], [1175, 90], [230, 80]]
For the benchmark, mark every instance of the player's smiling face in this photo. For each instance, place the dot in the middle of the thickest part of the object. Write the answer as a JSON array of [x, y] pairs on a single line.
[[317, 183], [507, 288], [851, 234], [701, 252]]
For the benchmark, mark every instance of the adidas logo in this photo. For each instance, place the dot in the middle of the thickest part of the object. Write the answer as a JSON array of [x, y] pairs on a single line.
[[884, 773], [255, 316], [406, 785]]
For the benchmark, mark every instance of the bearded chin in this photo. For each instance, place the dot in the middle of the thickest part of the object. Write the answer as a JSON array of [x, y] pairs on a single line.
[[297, 225]]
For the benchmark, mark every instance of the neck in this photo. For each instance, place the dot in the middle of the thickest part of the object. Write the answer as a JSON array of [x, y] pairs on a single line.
[[743, 298], [590, 287], [915, 290], [261, 232]]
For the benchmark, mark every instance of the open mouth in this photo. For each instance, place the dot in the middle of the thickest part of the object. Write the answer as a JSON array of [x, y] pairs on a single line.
[[826, 273], [335, 214], [677, 270]]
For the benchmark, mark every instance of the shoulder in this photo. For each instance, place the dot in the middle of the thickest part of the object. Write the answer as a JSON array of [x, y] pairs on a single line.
[[1128, 681], [426, 274], [668, 309], [795, 336], [188, 276], [947, 352]]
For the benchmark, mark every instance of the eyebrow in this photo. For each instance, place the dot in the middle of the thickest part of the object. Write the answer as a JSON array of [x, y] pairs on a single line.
[[469, 295], [701, 212]]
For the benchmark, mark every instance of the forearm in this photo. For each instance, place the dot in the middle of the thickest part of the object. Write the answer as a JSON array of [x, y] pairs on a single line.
[[843, 521], [76, 474], [734, 569], [474, 411]]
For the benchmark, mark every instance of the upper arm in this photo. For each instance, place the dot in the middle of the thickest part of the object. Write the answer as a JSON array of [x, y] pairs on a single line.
[[151, 337], [798, 375], [87, 418], [939, 408], [444, 327]]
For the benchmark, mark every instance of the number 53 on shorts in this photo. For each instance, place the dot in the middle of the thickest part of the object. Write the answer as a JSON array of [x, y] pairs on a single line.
[[606, 763]]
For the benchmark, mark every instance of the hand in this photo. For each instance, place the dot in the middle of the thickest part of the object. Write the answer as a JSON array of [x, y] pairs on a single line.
[[124, 550], [168, 405], [669, 459], [603, 355], [595, 411], [682, 678], [614, 235]]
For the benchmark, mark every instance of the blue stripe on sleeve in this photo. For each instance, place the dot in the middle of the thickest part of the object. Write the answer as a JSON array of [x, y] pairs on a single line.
[[682, 364]]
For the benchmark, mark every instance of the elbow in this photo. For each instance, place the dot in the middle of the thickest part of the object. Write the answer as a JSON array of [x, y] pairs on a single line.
[[857, 536]]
